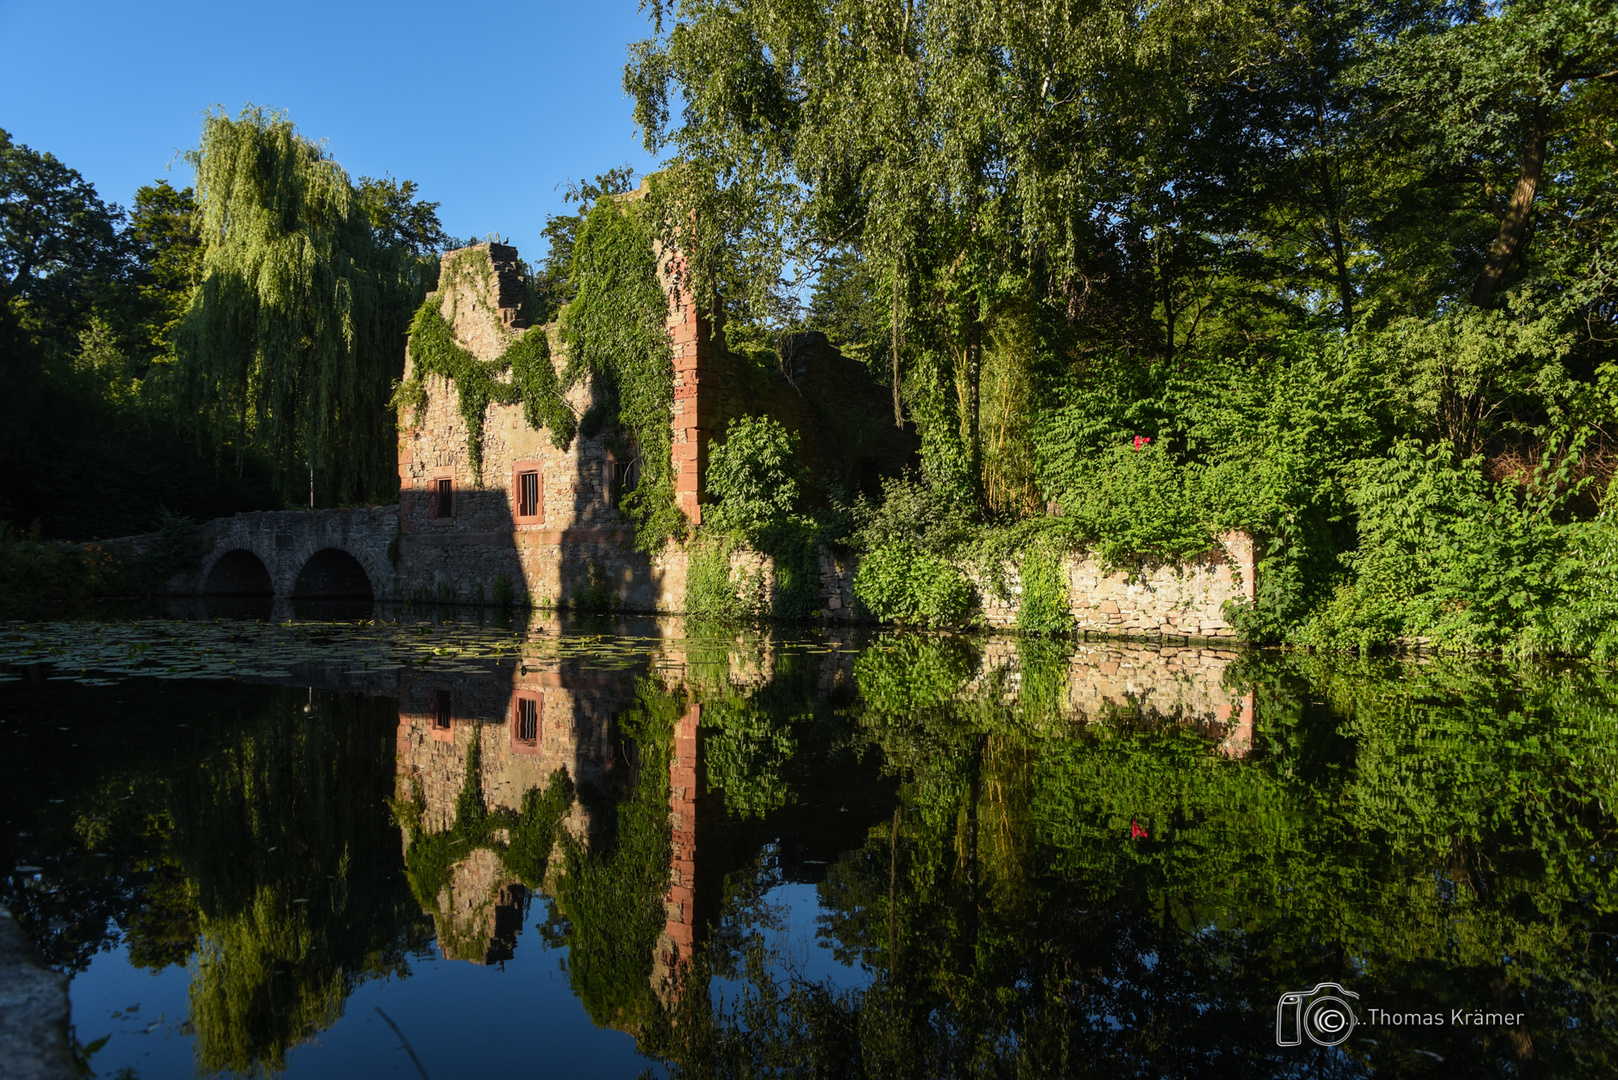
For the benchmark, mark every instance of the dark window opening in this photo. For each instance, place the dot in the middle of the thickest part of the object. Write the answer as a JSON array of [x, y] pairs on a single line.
[[527, 494], [441, 709], [441, 499], [625, 478], [527, 720]]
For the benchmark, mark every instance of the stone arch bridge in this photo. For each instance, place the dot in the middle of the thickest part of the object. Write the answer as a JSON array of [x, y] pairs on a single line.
[[290, 554]]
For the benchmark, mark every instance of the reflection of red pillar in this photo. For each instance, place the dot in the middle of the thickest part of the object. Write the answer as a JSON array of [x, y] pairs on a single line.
[[1239, 743], [679, 931]]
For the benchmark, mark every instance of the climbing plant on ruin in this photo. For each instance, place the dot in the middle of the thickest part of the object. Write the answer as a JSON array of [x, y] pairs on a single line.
[[616, 329], [617, 340], [435, 351]]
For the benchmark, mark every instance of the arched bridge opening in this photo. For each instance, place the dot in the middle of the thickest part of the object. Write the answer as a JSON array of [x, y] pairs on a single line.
[[238, 573], [333, 574], [339, 556], [333, 585]]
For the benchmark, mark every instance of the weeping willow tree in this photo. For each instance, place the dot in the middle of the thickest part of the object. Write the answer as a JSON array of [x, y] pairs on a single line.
[[296, 334]]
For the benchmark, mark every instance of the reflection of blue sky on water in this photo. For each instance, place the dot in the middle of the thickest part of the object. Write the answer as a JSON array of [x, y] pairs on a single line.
[[788, 922], [461, 1019]]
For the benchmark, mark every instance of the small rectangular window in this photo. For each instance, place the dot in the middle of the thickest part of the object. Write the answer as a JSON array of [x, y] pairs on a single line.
[[441, 709], [441, 499], [528, 493], [527, 720], [625, 478]]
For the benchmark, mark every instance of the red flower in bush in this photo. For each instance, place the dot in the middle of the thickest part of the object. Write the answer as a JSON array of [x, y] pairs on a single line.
[[1142, 440], [1136, 832]]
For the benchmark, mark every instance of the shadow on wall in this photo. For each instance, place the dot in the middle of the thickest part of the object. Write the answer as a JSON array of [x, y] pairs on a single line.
[[476, 546]]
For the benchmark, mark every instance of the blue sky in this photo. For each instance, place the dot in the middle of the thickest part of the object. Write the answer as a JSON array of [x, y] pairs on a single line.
[[489, 107]]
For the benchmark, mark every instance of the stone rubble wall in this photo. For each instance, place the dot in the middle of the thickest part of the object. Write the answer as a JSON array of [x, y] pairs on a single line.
[[1173, 600], [1169, 600]]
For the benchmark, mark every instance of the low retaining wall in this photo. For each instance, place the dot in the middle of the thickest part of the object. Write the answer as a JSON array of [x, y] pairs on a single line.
[[1172, 600], [1169, 600]]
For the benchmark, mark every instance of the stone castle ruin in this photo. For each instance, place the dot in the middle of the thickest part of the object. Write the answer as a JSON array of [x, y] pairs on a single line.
[[542, 524]]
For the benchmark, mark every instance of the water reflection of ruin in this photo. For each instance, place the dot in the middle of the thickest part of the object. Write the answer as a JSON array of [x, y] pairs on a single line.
[[528, 722]]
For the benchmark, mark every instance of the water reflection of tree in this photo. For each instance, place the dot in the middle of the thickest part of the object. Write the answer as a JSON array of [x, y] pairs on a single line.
[[254, 843], [1434, 836], [286, 838], [609, 895]]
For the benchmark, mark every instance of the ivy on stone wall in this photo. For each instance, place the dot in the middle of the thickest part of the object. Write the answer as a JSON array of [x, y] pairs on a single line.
[[616, 329], [434, 350]]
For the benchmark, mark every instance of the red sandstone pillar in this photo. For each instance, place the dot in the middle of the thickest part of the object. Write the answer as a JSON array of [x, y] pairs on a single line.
[[695, 398]]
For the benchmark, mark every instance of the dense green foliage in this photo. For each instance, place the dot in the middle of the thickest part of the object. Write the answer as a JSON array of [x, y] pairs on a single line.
[[616, 329], [179, 358], [904, 584], [89, 297], [293, 337], [713, 589], [754, 477], [756, 482], [1165, 273]]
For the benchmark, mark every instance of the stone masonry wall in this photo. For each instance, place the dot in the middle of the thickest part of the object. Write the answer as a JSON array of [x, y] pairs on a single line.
[[1184, 600], [1179, 600], [577, 541]]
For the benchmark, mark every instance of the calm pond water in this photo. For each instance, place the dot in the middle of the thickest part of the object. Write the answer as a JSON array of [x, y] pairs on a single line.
[[436, 848]]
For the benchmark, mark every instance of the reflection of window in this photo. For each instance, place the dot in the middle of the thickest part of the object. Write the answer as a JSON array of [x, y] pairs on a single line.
[[441, 709], [441, 498], [528, 493], [526, 711]]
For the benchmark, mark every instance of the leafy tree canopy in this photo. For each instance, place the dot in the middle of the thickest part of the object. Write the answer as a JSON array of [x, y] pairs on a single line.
[[296, 332]]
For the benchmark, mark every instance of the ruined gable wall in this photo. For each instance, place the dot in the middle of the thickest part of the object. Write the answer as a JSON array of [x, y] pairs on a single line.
[[484, 550]]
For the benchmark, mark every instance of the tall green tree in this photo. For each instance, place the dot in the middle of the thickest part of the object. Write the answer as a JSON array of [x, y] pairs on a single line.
[[168, 251], [57, 236], [1099, 158], [296, 333]]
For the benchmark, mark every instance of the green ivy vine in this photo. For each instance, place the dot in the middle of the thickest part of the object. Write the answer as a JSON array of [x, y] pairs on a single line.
[[434, 350], [616, 330]]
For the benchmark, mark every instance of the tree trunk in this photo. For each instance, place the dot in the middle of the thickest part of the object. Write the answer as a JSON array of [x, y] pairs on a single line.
[[1339, 249], [1514, 225], [974, 380], [1168, 302], [898, 412]]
